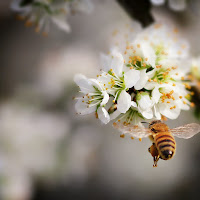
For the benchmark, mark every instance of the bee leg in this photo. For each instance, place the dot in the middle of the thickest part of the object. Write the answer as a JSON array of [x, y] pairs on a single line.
[[155, 159]]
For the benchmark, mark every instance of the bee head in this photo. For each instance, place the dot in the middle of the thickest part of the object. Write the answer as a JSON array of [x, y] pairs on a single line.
[[157, 126]]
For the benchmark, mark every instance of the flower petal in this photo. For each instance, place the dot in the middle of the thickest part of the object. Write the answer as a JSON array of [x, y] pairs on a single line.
[[156, 95], [177, 5], [117, 62], [103, 115], [142, 81], [148, 114], [167, 112], [157, 2], [105, 98], [131, 77], [83, 83], [148, 53], [145, 102], [61, 22], [83, 109], [124, 101]]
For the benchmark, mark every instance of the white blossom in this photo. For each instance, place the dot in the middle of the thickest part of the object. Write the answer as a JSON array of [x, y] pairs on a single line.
[[93, 99], [145, 77], [176, 5], [42, 13]]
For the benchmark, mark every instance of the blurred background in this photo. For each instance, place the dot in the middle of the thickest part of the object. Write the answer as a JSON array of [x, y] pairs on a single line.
[[49, 152]]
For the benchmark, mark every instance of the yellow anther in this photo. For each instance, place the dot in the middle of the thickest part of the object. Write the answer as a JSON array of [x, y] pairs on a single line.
[[180, 97], [140, 139], [174, 84], [132, 137], [138, 45], [122, 136], [192, 104]]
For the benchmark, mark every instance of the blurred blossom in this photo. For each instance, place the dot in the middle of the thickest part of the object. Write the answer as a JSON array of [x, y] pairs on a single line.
[[43, 12], [194, 76], [141, 78], [29, 142], [58, 68], [176, 5], [83, 153]]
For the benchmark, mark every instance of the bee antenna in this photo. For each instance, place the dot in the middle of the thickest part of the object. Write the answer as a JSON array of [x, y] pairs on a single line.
[[144, 122]]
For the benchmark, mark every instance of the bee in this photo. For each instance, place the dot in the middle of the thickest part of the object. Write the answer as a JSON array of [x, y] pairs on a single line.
[[162, 137]]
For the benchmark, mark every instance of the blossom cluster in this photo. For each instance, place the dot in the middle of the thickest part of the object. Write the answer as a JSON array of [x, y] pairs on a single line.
[[141, 79], [194, 77], [175, 5], [42, 12]]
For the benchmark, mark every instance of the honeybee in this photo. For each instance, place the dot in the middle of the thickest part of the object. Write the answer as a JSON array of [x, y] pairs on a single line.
[[163, 143]]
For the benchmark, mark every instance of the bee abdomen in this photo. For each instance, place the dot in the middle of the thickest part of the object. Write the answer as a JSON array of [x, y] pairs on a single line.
[[166, 145]]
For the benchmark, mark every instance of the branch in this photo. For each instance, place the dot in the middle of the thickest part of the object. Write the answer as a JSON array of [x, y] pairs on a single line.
[[139, 10]]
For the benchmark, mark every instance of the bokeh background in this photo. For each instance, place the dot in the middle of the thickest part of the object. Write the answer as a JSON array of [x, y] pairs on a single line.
[[49, 152]]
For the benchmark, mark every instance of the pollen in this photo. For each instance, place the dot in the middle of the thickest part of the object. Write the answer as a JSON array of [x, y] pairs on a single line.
[[122, 136], [132, 137], [180, 97], [174, 84], [192, 104], [175, 30], [182, 78], [140, 139], [125, 52], [179, 52], [156, 26], [146, 59], [113, 101], [29, 23], [115, 32], [184, 102], [138, 45]]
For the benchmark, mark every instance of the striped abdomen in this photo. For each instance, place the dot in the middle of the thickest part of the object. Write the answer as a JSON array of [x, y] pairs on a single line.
[[166, 145]]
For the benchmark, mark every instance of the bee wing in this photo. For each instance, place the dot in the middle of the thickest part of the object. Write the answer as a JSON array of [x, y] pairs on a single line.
[[187, 131], [135, 131]]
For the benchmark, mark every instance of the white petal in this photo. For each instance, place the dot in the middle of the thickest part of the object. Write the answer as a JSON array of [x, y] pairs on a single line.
[[156, 112], [96, 83], [103, 115], [83, 83], [105, 98], [105, 62], [149, 53], [133, 103], [157, 2], [150, 85], [167, 112], [148, 114], [131, 77], [177, 5], [124, 101], [83, 109], [142, 81], [145, 102], [115, 114], [61, 23], [156, 95], [117, 63]]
